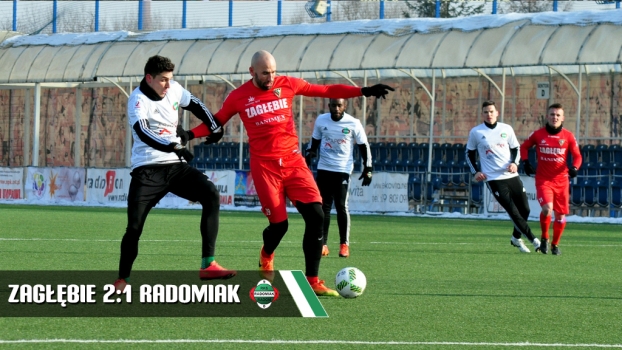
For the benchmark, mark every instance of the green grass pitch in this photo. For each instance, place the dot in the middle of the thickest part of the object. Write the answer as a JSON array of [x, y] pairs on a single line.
[[432, 283]]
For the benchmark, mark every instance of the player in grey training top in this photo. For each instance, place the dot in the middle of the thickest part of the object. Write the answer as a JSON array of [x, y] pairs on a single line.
[[334, 135], [497, 147], [159, 165], [154, 123]]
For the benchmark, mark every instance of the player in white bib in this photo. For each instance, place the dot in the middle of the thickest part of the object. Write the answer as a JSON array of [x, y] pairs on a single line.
[[498, 147], [159, 164], [334, 134]]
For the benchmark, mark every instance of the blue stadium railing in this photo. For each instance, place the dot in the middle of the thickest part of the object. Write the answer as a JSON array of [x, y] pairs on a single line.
[[598, 185]]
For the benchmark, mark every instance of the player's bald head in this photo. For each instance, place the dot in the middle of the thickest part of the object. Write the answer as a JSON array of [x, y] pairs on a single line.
[[263, 69], [262, 57]]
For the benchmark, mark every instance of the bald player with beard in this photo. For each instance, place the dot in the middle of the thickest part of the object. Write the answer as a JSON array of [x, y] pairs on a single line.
[[264, 104]]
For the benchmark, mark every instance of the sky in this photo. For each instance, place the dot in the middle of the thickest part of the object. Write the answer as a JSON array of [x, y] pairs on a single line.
[[387, 26]]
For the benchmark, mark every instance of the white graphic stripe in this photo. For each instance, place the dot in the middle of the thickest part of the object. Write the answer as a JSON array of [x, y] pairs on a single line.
[[369, 161], [299, 297], [347, 207], [471, 166], [144, 126], [210, 117]]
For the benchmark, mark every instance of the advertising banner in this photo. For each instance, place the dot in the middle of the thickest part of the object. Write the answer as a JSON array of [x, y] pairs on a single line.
[[530, 188], [529, 183], [11, 186], [224, 180], [225, 183], [107, 186], [388, 192], [245, 193], [54, 185]]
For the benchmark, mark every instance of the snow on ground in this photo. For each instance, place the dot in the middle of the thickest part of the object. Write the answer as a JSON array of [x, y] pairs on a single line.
[[490, 216]]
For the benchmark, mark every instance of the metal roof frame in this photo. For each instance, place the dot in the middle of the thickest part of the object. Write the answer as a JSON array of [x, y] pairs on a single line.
[[521, 45]]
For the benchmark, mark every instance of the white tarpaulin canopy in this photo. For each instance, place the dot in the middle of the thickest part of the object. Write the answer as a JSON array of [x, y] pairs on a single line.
[[485, 44], [484, 41]]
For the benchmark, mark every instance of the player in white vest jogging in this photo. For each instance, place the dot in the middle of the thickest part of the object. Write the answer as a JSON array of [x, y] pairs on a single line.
[[498, 148]]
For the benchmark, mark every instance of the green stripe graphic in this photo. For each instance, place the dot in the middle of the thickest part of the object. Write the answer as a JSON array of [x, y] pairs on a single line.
[[306, 300]]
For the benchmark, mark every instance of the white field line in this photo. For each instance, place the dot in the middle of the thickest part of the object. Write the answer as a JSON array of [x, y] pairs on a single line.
[[489, 243], [116, 240], [286, 242], [276, 341]]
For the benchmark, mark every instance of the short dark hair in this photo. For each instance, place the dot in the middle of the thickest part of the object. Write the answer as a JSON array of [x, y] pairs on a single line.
[[158, 64], [488, 103], [556, 106], [345, 101]]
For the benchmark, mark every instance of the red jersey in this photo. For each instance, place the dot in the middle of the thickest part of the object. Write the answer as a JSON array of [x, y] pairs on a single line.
[[267, 114], [552, 153]]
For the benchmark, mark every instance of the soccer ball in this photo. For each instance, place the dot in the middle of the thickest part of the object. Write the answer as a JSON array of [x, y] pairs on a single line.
[[350, 282]]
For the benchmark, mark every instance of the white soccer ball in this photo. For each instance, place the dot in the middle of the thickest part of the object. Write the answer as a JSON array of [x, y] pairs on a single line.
[[350, 282]]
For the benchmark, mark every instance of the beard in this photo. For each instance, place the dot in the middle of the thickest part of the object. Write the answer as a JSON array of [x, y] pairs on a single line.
[[261, 84], [336, 116]]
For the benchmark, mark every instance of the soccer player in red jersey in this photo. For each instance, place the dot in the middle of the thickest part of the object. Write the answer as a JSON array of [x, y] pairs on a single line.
[[553, 143], [279, 170]]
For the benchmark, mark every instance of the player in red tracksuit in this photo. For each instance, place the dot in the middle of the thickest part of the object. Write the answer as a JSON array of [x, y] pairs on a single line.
[[553, 143], [264, 104]]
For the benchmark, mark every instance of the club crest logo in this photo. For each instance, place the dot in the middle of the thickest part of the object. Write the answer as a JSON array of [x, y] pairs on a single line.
[[175, 106], [277, 92], [561, 142], [264, 294]]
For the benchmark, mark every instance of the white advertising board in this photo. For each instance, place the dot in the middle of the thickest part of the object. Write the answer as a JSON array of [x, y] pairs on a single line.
[[388, 192], [107, 186], [223, 180], [54, 185]]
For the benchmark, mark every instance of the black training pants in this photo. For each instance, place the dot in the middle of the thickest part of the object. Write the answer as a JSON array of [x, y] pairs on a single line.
[[335, 187], [148, 186], [511, 195]]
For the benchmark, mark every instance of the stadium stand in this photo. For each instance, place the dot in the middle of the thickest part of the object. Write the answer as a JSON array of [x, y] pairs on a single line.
[[597, 187], [602, 153], [615, 151], [589, 154], [460, 152]]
